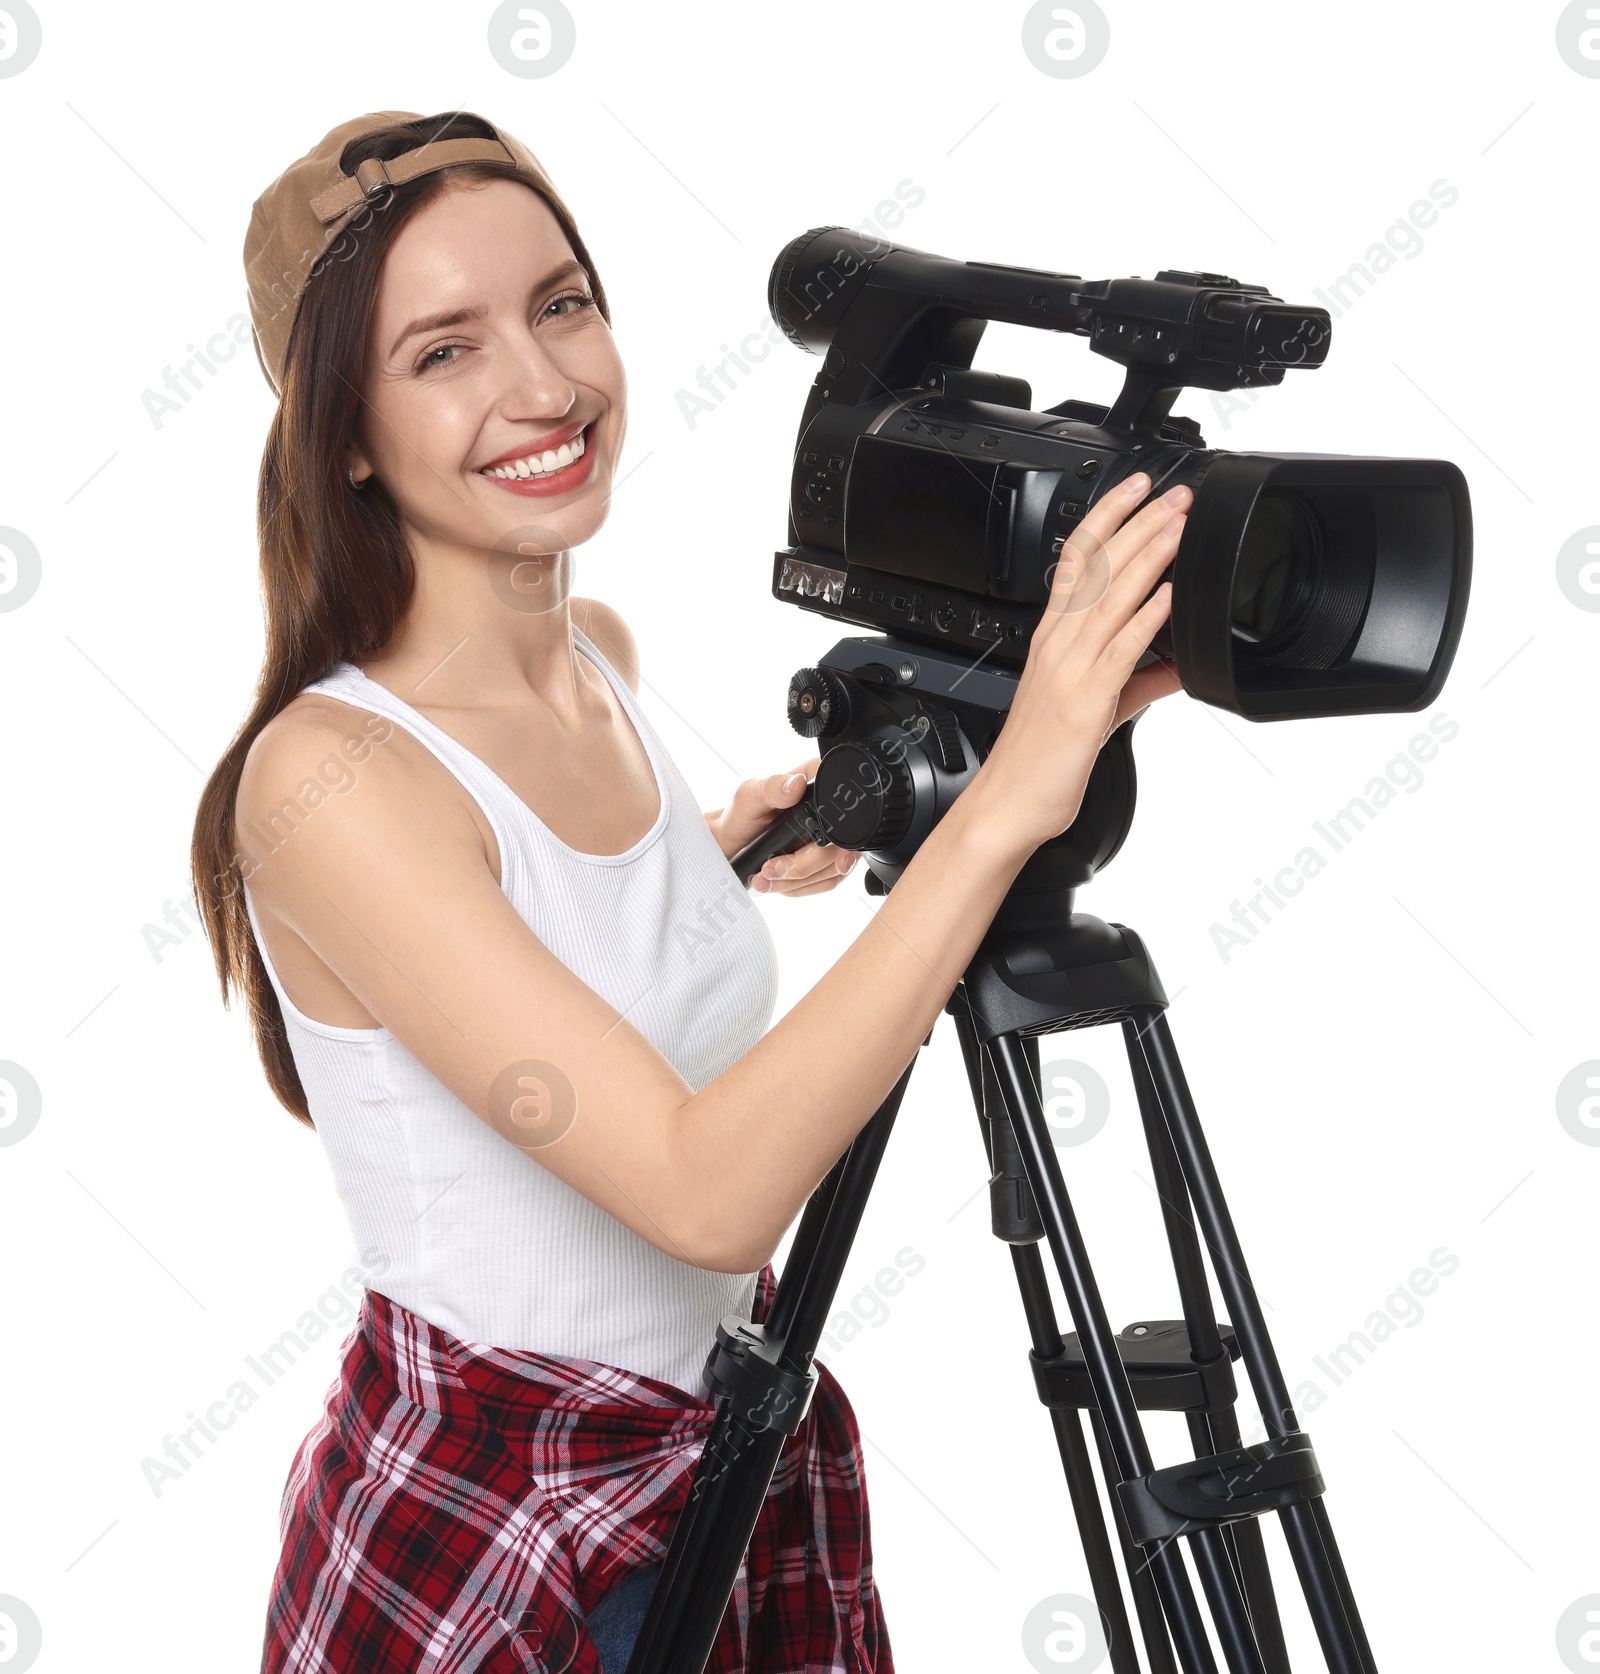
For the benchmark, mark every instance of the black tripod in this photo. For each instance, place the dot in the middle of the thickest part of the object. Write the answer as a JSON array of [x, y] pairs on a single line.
[[1043, 968]]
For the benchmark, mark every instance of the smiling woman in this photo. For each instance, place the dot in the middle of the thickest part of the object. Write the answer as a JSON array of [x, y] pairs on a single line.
[[423, 370], [509, 977]]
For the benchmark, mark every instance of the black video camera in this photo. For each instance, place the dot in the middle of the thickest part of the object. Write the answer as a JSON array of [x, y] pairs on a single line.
[[930, 501]]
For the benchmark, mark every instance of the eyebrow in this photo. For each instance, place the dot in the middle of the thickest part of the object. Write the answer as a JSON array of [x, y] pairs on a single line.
[[459, 316]]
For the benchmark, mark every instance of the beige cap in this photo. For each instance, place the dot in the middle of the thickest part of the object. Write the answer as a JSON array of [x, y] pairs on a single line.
[[303, 212]]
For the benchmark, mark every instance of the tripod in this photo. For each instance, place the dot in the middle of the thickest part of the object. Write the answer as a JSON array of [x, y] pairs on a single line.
[[1043, 968]]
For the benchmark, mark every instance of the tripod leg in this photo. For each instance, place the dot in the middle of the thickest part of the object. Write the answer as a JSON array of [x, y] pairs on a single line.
[[734, 1472], [1327, 1589], [1248, 1552], [1216, 1431], [803, 1249], [1013, 1219], [1211, 1553], [1341, 1580], [1152, 1624], [1081, 1487], [1221, 1583], [1108, 1377]]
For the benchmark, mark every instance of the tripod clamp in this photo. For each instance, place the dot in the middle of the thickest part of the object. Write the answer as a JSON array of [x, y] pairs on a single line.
[[762, 1393], [1224, 1488]]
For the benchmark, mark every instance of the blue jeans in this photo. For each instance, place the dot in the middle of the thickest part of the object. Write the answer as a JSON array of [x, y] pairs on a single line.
[[617, 1618]]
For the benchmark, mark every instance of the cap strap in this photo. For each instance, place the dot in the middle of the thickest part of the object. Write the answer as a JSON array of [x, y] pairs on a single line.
[[350, 190]]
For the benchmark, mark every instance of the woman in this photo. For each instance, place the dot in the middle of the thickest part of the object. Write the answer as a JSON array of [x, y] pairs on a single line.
[[452, 869]]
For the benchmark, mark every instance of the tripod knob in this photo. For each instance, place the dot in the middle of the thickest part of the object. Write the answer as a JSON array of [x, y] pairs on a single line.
[[864, 794], [819, 703]]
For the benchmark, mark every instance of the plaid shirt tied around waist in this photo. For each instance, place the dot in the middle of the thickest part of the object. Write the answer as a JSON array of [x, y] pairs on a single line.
[[460, 1509]]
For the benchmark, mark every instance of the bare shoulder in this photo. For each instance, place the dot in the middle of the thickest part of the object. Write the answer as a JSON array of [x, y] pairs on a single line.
[[307, 761], [313, 743], [600, 623]]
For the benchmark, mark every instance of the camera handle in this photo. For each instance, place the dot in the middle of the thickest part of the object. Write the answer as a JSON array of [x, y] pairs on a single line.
[[897, 751], [879, 313], [793, 828]]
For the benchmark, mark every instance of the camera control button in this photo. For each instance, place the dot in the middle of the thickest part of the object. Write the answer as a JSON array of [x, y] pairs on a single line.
[[819, 703]]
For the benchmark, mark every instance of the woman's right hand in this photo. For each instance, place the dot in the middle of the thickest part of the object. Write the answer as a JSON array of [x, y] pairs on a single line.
[[1078, 684]]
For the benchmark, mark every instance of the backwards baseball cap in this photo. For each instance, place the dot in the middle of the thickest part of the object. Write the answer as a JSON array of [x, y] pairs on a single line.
[[305, 210]]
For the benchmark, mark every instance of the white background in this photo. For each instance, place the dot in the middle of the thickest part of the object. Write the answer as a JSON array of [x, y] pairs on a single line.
[[1377, 1069]]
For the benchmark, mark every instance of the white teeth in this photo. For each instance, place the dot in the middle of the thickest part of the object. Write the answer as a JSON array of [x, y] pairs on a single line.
[[542, 464]]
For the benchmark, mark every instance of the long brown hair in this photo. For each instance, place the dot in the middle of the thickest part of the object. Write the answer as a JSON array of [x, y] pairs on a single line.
[[336, 574]]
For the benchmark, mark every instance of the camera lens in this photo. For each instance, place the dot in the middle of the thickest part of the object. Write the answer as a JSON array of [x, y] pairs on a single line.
[[1279, 557]]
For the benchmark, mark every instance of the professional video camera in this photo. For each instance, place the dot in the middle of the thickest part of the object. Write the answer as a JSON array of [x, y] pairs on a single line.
[[929, 500]]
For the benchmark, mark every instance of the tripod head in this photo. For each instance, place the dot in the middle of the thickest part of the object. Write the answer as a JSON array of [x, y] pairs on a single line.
[[902, 729]]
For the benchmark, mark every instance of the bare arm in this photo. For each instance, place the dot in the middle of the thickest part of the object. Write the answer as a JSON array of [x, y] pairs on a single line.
[[392, 889]]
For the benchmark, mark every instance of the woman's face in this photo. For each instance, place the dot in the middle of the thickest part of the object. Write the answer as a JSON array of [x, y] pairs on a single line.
[[486, 348]]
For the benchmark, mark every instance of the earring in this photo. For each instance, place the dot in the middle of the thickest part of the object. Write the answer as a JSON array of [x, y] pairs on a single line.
[[350, 475]]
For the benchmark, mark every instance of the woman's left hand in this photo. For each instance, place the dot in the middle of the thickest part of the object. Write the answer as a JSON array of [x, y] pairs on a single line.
[[756, 803]]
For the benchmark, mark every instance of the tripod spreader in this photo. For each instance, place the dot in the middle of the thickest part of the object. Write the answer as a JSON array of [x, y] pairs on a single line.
[[1224, 1488], [1164, 1372]]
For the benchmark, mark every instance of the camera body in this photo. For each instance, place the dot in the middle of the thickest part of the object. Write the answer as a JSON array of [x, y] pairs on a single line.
[[931, 501]]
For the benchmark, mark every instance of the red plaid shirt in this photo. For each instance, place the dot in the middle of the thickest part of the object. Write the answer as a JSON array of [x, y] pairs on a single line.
[[461, 1509]]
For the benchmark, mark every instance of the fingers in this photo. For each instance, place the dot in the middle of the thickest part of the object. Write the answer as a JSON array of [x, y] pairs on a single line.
[[783, 790], [1131, 643], [1144, 687], [1115, 513], [754, 799], [819, 886], [1108, 539], [1139, 574], [1088, 540], [1147, 524], [809, 863], [1095, 628], [807, 870]]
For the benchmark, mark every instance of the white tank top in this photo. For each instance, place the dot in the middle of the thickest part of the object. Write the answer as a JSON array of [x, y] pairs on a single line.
[[475, 1235]]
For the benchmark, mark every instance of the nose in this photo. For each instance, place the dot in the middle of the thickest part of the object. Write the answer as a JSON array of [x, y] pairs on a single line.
[[535, 385]]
